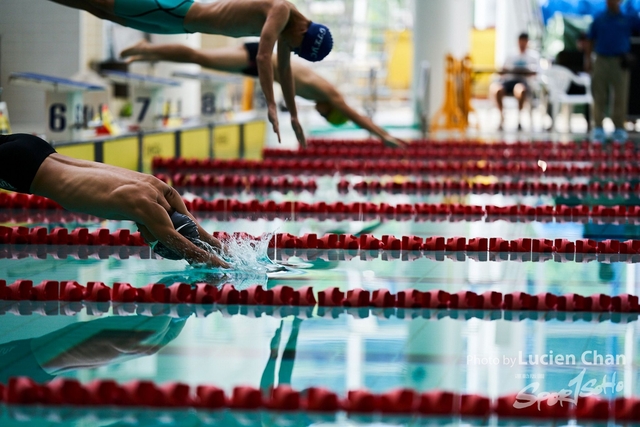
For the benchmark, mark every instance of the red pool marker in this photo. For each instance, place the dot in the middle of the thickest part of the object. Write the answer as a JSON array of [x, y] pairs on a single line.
[[402, 401], [410, 298], [22, 391], [473, 405], [626, 409], [64, 391], [204, 293], [361, 401], [321, 400], [439, 403], [303, 297], [545, 301], [153, 293], [279, 296], [284, 398], [246, 398], [592, 408], [180, 293], [382, 298], [357, 298], [519, 301], [47, 290], [176, 395], [124, 292], [491, 300], [19, 290], [331, 297], [253, 295], [228, 295], [625, 303], [211, 397], [436, 299], [97, 292]]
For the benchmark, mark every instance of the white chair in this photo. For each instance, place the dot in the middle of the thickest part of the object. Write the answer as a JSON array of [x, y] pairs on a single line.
[[557, 80]]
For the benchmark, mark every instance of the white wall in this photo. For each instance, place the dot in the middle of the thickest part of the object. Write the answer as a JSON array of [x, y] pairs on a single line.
[[41, 37]]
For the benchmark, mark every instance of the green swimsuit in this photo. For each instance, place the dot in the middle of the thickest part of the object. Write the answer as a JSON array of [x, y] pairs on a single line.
[[154, 16]]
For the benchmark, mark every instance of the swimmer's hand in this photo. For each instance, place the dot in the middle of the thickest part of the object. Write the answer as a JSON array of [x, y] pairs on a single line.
[[210, 260], [295, 124], [390, 141], [217, 262], [272, 114]]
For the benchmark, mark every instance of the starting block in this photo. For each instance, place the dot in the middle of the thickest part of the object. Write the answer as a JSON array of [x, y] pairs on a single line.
[[147, 96], [216, 98], [65, 109]]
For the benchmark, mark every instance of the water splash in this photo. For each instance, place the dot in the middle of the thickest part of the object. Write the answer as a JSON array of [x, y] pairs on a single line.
[[247, 254]]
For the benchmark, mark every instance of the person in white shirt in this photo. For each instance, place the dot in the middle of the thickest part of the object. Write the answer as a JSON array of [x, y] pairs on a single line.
[[514, 77]]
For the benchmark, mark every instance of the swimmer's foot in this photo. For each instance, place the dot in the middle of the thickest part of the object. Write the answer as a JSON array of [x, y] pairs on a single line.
[[138, 52]]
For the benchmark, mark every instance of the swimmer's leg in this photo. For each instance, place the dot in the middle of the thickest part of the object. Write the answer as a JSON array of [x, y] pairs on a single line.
[[267, 380], [289, 354], [102, 9], [231, 59]]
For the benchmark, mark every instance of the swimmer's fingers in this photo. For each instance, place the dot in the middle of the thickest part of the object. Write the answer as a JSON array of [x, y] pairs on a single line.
[[216, 261], [218, 244], [134, 58], [297, 128], [273, 119], [394, 142]]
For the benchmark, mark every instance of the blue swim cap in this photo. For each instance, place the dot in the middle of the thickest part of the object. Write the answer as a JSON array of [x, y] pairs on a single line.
[[183, 225], [316, 44]]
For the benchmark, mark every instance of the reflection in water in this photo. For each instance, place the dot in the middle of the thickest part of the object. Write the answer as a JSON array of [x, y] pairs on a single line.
[[86, 345]]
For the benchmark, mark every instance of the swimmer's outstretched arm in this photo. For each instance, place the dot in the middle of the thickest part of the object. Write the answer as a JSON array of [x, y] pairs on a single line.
[[337, 101], [274, 25], [288, 89]]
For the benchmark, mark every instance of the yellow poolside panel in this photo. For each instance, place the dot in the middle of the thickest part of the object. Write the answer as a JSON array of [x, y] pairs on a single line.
[[157, 145], [124, 153], [483, 55], [80, 151], [254, 139], [194, 144], [226, 142], [399, 50]]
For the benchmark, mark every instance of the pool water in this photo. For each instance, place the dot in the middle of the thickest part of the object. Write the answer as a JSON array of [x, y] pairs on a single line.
[[492, 354]]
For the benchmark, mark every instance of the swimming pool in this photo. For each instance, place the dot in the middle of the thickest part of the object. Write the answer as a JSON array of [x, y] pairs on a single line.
[[486, 353]]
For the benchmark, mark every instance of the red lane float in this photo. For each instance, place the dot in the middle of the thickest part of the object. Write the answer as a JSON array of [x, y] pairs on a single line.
[[40, 236], [317, 167], [202, 293], [146, 394], [540, 146], [247, 182], [353, 210], [499, 152], [62, 236], [514, 188], [481, 255]]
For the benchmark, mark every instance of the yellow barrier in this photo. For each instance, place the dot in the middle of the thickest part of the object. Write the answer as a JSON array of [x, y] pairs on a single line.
[[157, 145], [226, 142], [124, 152], [454, 113], [80, 151], [195, 144]]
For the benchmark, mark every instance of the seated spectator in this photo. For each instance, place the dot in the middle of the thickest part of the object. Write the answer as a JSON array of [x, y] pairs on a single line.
[[515, 77]]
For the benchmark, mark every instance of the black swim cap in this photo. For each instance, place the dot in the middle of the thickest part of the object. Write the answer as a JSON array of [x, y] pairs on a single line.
[[183, 225]]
